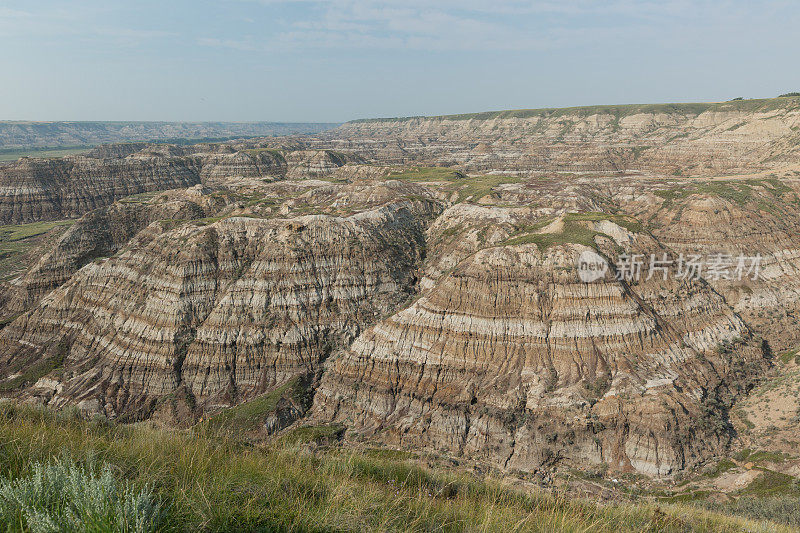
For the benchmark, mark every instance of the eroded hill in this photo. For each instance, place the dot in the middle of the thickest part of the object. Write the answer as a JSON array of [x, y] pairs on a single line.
[[425, 307]]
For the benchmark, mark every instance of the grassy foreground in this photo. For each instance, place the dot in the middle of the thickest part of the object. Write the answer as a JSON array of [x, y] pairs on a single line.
[[214, 483]]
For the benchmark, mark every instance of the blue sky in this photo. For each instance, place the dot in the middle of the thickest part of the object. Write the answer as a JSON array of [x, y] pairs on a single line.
[[335, 60]]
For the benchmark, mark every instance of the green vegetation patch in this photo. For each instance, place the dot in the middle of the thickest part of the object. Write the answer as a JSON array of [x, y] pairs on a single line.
[[19, 232], [277, 154], [740, 192], [12, 154], [426, 174], [222, 484], [471, 188], [790, 355], [17, 240], [250, 415], [30, 374], [573, 232], [769, 483]]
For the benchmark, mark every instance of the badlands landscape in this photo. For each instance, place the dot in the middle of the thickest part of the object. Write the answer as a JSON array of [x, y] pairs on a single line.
[[398, 303]]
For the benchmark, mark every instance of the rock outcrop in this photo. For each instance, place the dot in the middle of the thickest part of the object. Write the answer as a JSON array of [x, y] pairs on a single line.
[[428, 308], [691, 139], [34, 190], [511, 359], [25, 134], [219, 311]]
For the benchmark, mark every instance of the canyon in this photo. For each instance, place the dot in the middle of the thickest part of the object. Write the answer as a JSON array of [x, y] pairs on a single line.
[[420, 277]]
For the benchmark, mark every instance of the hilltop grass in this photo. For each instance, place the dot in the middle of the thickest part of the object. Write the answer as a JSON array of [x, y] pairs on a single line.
[[740, 192], [221, 484], [618, 111], [471, 188], [277, 154], [12, 154], [19, 232], [16, 240], [425, 174], [573, 232]]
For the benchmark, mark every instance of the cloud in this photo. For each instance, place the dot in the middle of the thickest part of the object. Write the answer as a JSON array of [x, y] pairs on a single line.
[[232, 44], [507, 25]]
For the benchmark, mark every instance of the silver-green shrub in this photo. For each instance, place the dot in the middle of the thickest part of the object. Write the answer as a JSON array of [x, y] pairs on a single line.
[[64, 496]]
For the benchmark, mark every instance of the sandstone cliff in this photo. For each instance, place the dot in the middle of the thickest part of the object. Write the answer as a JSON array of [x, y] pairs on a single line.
[[218, 311], [692, 139], [52, 189], [427, 308]]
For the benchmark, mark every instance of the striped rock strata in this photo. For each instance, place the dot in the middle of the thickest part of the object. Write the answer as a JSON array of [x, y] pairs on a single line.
[[215, 313], [52, 189], [511, 359], [693, 139]]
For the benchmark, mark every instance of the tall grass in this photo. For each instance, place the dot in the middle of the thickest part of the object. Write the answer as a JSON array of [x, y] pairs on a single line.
[[220, 484]]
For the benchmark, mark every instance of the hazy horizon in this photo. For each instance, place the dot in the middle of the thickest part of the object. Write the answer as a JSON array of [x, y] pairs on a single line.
[[339, 60]]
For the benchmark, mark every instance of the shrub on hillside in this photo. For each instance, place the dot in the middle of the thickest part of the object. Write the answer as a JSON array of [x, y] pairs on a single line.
[[65, 496]]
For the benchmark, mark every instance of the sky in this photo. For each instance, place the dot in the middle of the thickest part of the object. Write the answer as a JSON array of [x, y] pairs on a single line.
[[337, 60]]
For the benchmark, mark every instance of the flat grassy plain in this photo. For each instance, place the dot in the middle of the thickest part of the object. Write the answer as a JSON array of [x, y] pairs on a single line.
[[209, 481], [17, 240], [12, 154]]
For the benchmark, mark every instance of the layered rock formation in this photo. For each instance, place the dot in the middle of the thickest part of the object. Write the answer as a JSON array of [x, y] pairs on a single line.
[[52, 189], [25, 134], [510, 358], [99, 234], [218, 311], [692, 139], [429, 308]]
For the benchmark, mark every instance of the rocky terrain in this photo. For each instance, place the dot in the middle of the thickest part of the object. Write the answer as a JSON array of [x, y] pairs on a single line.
[[421, 278], [686, 139], [28, 134], [33, 189]]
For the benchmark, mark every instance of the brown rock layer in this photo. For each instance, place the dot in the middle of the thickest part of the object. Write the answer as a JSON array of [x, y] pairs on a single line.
[[220, 311]]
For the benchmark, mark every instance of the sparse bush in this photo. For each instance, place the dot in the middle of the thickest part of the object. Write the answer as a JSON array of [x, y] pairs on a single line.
[[65, 496], [789, 94], [784, 509]]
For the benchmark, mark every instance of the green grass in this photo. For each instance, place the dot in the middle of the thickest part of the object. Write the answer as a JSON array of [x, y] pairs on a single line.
[[740, 192], [30, 374], [425, 174], [221, 484], [19, 232], [476, 187], [790, 355], [17, 240], [769, 483], [48, 152], [763, 455], [721, 467], [574, 231], [277, 154], [248, 416], [471, 188]]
